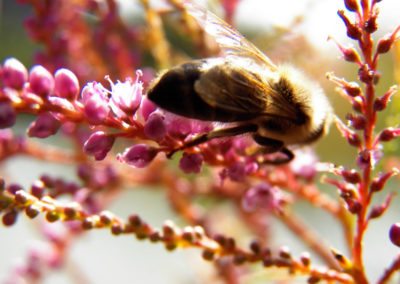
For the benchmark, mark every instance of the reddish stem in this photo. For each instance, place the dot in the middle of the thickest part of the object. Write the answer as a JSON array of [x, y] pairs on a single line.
[[366, 46]]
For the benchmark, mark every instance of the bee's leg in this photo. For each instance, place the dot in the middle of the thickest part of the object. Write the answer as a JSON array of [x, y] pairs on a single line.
[[224, 132], [273, 146]]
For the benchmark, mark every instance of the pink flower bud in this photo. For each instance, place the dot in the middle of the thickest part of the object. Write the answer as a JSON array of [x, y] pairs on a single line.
[[95, 103], [353, 31], [378, 210], [7, 115], [147, 107], [155, 127], [351, 5], [41, 81], [98, 145], [138, 156], [389, 134], [66, 84], [9, 218], [351, 55], [382, 102], [177, 126], [358, 103], [14, 74], [352, 89], [386, 43], [356, 121], [366, 74], [347, 133], [44, 126], [371, 24], [394, 234], [379, 182], [191, 163], [351, 176], [369, 158]]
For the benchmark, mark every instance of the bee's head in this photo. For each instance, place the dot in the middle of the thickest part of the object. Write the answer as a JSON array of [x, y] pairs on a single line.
[[310, 100]]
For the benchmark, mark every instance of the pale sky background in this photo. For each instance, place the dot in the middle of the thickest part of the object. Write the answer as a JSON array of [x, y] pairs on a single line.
[[320, 19]]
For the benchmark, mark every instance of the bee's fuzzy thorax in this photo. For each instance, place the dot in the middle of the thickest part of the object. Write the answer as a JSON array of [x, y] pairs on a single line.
[[310, 97]]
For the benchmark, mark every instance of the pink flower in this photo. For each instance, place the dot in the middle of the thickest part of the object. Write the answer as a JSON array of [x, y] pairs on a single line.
[[126, 96]]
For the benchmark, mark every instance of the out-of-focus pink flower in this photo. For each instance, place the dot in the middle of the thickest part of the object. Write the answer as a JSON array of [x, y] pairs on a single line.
[[41, 81], [239, 170], [44, 126], [98, 145], [95, 102], [139, 155], [97, 176], [230, 7], [191, 163], [155, 127], [7, 115], [263, 196], [66, 84], [13, 73], [126, 96], [304, 164]]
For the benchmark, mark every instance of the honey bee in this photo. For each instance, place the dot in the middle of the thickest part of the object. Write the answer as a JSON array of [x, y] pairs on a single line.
[[276, 104]]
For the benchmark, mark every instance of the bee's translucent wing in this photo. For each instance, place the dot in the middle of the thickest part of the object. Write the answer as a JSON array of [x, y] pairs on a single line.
[[228, 88], [232, 43]]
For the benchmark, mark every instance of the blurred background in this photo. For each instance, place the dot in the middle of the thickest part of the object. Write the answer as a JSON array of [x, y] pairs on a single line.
[[99, 257]]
